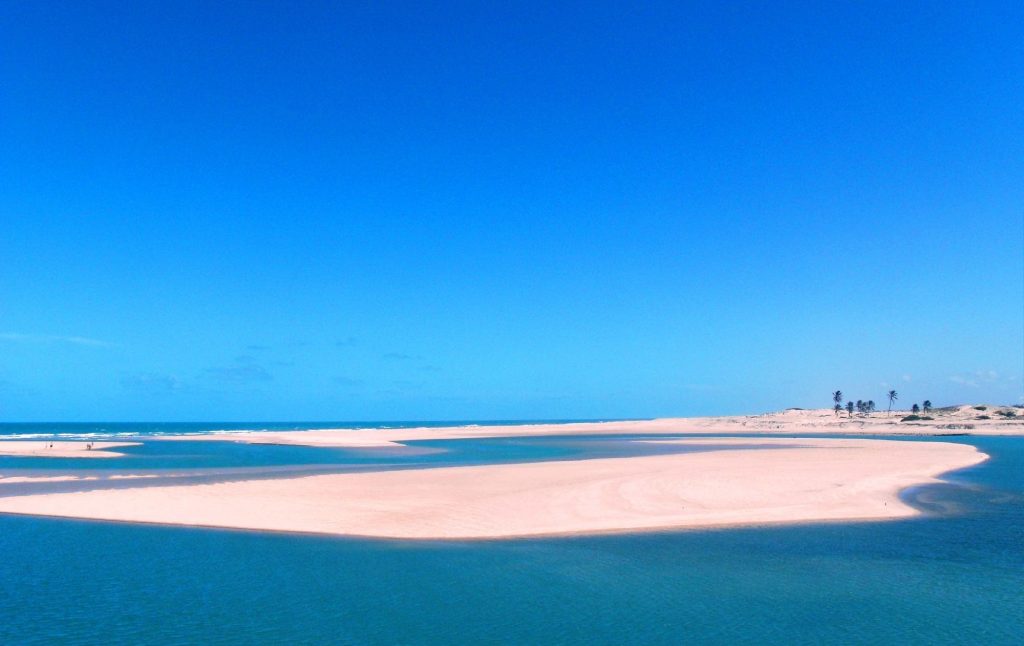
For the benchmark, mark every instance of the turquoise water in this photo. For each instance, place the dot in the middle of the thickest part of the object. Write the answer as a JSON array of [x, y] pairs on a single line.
[[180, 462], [72, 430], [954, 576]]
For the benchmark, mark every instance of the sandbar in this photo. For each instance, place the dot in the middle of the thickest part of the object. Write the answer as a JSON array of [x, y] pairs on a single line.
[[39, 449], [777, 481]]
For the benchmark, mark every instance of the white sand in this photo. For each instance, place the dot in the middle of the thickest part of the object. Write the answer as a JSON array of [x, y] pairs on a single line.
[[962, 420], [37, 479], [822, 480], [24, 479], [38, 449]]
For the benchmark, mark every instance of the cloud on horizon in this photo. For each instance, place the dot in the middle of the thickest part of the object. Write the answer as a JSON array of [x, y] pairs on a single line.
[[977, 378], [400, 356], [152, 382], [245, 370]]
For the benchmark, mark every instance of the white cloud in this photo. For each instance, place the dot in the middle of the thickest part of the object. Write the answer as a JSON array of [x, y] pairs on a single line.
[[400, 356], [53, 338], [151, 382], [244, 370], [978, 378]]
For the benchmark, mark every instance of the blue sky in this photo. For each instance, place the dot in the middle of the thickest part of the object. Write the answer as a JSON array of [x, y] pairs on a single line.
[[366, 211]]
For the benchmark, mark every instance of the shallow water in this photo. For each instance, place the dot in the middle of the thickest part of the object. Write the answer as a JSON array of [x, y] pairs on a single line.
[[165, 455], [86, 430], [954, 576], [155, 462]]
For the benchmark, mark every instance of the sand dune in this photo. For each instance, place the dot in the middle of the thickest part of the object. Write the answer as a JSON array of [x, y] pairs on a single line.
[[818, 480]]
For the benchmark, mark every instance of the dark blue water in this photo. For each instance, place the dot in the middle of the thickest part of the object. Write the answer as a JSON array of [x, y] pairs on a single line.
[[954, 576]]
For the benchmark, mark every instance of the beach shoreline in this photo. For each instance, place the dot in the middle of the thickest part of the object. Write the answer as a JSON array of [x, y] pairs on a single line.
[[61, 449], [952, 422]]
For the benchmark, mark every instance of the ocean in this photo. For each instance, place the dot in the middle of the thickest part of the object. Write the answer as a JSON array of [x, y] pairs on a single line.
[[953, 575]]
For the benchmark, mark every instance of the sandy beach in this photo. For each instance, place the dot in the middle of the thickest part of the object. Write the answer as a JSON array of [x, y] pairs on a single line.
[[777, 481], [958, 420], [61, 449]]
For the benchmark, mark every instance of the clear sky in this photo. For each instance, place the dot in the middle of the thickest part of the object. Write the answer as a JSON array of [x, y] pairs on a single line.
[[367, 211]]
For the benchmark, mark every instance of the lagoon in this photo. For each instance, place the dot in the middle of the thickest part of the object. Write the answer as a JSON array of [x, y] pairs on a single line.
[[954, 575]]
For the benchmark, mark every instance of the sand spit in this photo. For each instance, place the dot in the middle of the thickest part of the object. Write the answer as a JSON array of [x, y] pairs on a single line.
[[819, 480], [39, 449]]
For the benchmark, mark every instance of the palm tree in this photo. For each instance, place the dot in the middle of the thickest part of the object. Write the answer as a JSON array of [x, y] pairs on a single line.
[[837, 408], [871, 405], [927, 406], [892, 397], [849, 408], [915, 409], [860, 406], [837, 397]]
